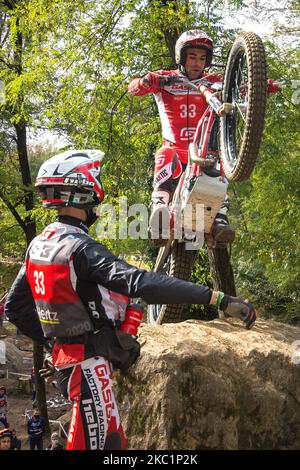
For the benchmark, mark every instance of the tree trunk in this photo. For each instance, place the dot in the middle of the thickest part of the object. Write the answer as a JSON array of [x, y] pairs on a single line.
[[40, 384], [171, 34], [30, 233], [30, 226], [221, 270], [171, 37]]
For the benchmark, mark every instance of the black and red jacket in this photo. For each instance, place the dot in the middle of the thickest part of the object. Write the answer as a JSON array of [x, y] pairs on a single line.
[[67, 305], [71, 284]]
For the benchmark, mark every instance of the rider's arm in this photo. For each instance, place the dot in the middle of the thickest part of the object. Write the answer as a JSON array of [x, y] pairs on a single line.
[[150, 83], [93, 262], [21, 311], [136, 87]]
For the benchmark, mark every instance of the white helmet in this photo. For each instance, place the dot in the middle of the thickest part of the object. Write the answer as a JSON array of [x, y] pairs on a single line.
[[72, 179], [193, 38]]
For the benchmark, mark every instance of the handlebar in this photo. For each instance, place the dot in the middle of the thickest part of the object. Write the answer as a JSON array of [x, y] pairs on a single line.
[[203, 86], [167, 80], [273, 86]]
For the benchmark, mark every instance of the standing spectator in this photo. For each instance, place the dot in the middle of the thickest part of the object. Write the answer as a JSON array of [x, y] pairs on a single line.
[[3, 407], [15, 442], [55, 444], [5, 439], [36, 429]]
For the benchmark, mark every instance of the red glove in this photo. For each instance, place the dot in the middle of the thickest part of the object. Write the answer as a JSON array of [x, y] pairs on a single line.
[[151, 80], [273, 87], [134, 86]]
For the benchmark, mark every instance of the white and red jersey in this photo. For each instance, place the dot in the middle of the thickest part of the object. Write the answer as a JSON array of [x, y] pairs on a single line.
[[180, 108]]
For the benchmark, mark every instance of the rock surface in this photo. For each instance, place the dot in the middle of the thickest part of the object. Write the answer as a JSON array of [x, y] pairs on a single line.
[[213, 385], [14, 357]]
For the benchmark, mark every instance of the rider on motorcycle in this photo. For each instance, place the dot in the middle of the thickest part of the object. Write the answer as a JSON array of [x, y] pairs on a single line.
[[180, 109], [73, 290]]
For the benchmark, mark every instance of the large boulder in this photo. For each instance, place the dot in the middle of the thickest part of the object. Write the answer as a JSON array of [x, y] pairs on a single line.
[[213, 385], [14, 357]]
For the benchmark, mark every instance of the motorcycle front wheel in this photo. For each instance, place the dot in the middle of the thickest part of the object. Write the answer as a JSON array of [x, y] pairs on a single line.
[[245, 86]]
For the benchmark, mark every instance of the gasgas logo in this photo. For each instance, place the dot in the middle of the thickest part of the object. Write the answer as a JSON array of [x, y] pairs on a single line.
[[73, 422], [103, 376], [179, 86]]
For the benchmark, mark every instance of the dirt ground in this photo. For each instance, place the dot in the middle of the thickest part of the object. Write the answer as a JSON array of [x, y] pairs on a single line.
[[20, 401]]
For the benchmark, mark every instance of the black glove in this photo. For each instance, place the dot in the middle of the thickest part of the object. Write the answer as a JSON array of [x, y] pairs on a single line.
[[48, 369], [239, 308]]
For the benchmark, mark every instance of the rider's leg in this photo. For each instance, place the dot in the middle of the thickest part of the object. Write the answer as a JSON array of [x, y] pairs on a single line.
[[167, 169], [95, 422], [222, 232], [170, 162]]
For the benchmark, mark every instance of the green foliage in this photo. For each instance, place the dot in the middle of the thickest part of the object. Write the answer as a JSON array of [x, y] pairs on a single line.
[[272, 302], [267, 253], [9, 269], [71, 74], [12, 240]]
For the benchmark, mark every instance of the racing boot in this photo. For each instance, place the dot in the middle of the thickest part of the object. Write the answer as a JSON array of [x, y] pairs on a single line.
[[159, 223], [222, 232]]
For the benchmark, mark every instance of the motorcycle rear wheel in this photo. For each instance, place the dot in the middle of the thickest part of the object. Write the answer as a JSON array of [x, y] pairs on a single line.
[[179, 263]]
